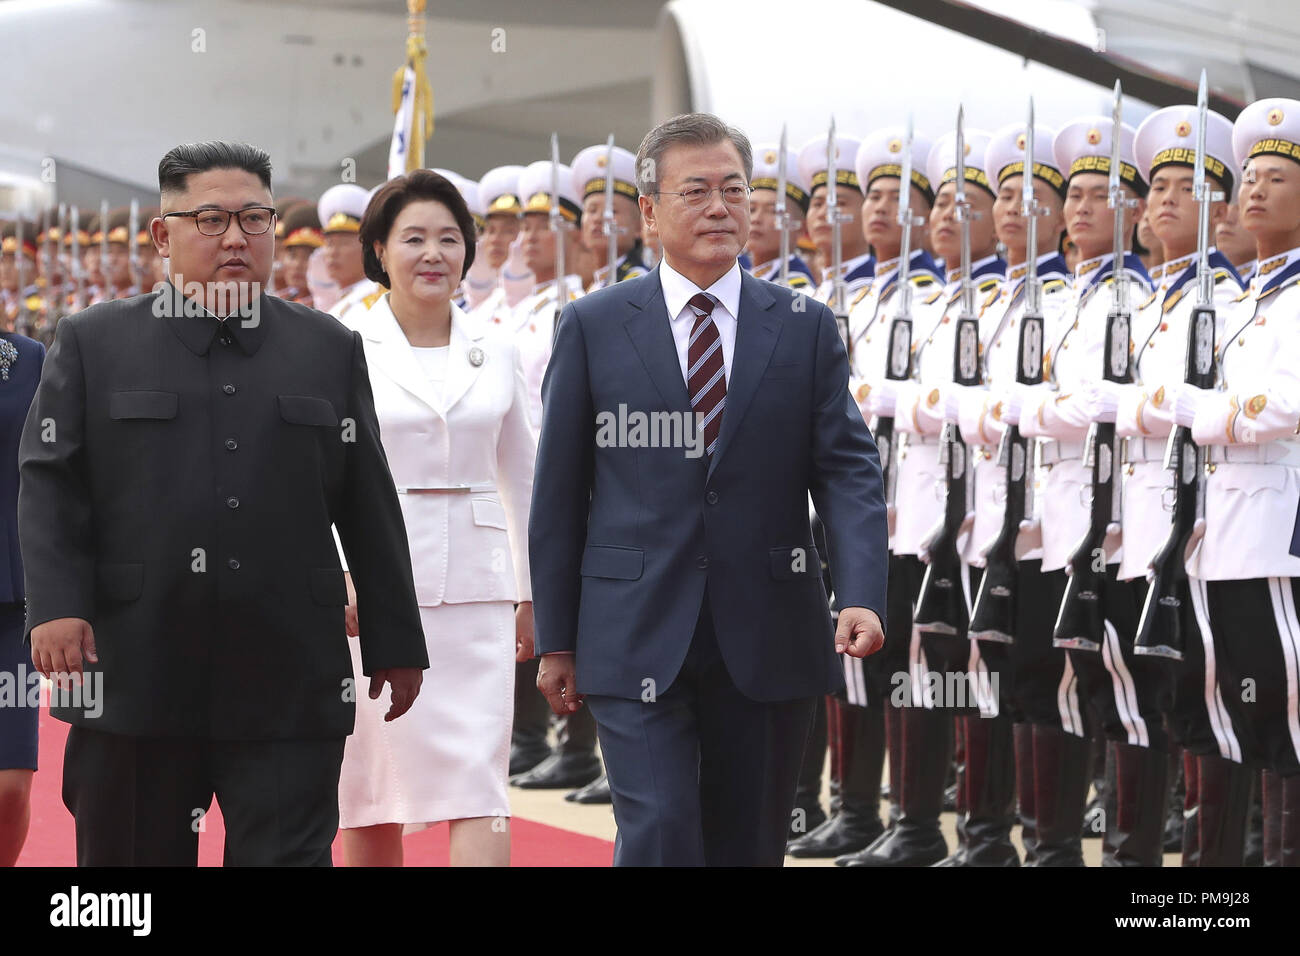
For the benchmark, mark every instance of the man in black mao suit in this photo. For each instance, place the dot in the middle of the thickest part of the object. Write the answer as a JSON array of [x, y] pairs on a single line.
[[181, 466], [676, 586]]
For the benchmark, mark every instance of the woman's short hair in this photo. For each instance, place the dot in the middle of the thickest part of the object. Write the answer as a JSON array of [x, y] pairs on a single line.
[[394, 196]]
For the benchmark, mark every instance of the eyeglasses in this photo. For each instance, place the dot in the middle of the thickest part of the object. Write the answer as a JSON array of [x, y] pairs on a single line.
[[733, 194], [254, 220]]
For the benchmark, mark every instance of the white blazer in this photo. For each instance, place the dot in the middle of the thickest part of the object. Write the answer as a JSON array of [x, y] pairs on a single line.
[[466, 545]]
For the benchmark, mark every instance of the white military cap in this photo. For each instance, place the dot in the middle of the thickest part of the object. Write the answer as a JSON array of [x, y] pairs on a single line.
[[812, 163], [535, 190], [341, 207], [881, 154], [1267, 127], [468, 190], [767, 173], [942, 162], [498, 191], [589, 172], [1168, 137], [1083, 146], [1005, 156]]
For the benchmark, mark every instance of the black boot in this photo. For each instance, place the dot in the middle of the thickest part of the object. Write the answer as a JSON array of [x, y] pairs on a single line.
[[1101, 807], [856, 823], [1290, 855], [1024, 742], [990, 790], [952, 783], [916, 840], [808, 814], [1191, 809], [1253, 854], [956, 796], [1175, 820], [1271, 787], [574, 764], [528, 746], [595, 792], [1225, 801], [1061, 781], [894, 747], [1135, 831]]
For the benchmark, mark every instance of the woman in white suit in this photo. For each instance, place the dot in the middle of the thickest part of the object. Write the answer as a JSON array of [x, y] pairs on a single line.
[[453, 412]]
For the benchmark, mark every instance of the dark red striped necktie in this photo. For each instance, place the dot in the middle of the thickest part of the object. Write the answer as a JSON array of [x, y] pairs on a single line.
[[705, 376]]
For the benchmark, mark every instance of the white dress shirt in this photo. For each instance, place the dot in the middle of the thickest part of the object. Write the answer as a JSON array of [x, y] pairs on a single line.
[[725, 293]]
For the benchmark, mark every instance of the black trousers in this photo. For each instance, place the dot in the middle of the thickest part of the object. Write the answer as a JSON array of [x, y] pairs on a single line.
[[702, 775], [1256, 649], [141, 801]]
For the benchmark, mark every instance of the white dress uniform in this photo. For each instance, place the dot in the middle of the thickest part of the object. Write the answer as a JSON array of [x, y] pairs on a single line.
[[813, 170], [457, 423], [340, 209], [533, 326], [1244, 562], [591, 173]]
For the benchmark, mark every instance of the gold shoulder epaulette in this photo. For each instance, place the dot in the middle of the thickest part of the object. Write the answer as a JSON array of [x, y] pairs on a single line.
[[1054, 285], [1148, 301], [935, 297], [1245, 294], [374, 297], [862, 293]]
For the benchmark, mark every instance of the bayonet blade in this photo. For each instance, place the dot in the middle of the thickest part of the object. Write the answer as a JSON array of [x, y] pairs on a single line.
[[782, 216]]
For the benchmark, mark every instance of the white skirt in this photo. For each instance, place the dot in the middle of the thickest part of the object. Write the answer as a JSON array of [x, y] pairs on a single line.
[[447, 757]]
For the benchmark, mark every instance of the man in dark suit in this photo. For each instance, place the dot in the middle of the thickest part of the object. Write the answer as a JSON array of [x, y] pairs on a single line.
[[687, 416], [181, 466]]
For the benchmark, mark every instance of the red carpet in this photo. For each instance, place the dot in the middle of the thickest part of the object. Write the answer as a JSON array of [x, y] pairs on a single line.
[[52, 841]]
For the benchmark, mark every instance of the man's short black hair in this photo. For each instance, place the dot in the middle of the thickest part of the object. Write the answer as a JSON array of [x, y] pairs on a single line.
[[175, 168]]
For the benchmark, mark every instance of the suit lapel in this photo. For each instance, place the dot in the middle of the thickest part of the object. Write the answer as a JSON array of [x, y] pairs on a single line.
[[756, 334], [393, 356], [651, 333], [466, 335]]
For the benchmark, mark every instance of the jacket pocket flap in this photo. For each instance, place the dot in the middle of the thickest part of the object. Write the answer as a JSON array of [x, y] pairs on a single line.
[[142, 404], [799, 561], [608, 561], [328, 587], [307, 410], [488, 513], [119, 582]]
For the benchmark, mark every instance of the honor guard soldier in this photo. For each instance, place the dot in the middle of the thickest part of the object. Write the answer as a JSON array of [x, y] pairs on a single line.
[[282, 207], [92, 261], [1127, 692], [998, 770], [499, 275], [149, 264], [920, 413], [860, 724], [857, 265], [764, 245], [20, 297], [1242, 568], [340, 210], [1165, 149], [302, 237], [591, 171], [1236, 243], [117, 267]]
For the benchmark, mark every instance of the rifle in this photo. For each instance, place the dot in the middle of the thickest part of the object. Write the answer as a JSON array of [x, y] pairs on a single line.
[[1160, 629], [608, 224], [133, 249], [898, 366], [110, 293], [836, 220], [783, 216], [557, 225], [941, 604], [74, 262], [993, 616], [1080, 622]]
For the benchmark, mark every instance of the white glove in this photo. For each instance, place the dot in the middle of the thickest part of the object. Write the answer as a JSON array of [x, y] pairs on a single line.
[[1101, 400], [480, 280], [952, 396], [516, 278], [1183, 406], [1014, 403], [883, 398]]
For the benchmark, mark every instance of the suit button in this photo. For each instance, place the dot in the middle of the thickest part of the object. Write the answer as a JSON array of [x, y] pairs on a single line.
[[228, 389], [232, 502], [233, 564], [711, 497], [231, 444], [702, 562]]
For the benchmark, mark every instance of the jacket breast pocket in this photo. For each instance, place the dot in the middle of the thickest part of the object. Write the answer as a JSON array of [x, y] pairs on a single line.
[[142, 404], [307, 410], [488, 513], [328, 587], [783, 372], [796, 563], [119, 582], [609, 561]]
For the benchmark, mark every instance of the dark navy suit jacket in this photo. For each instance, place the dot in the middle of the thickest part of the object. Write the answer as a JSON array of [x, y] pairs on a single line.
[[624, 540], [15, 398]]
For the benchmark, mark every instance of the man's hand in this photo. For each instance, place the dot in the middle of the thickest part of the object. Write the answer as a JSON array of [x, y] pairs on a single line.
[[524, 631], [859, 633], [557, 680], [59, 646], [350, 622], [405, 684]]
